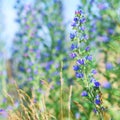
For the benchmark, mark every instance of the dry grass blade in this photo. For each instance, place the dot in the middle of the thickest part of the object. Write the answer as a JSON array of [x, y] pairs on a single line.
[[81, 108], [69, 102], [61, 89]]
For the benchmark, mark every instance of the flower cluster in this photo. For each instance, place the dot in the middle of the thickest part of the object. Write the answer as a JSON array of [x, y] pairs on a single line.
[[84, 62], [38, 46]]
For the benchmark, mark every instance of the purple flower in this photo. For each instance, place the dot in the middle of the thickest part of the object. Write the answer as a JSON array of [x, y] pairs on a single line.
[[30, 79], [85, 36], [97, 101], [110, 31], [95, 111], [78, 12], [82, 28], [92, 80], [73, 55], [83, 20], [104, 38], [109, 66], [73, 24], [77, 115], [76, 67], [28, 70], [48, 65], [89, 57], [81, 61], [21, 68], [97, 96], [87, 48], [73, 46], [72, 35], [76, 19], [106, 85], [79, 75], [96, 84], [3, 113], [84, 94], [102, 6], [94, 71]]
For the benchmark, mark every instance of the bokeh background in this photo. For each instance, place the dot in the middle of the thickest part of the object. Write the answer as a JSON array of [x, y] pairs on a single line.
[[35, 49]]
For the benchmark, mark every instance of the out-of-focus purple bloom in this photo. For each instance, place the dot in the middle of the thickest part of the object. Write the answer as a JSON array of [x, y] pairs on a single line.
[[94, 71], [84, 93], [26, 55], [4, 100], [76, 67], [73, 24], [36, 72], [28, 70], [89, 57], [73, 55], [82, 28], [102, 6], [58, 48], [77, 115], [85, 37], [30, 79], [64, 59], [41, 91], [3, 113], [30, 63], [81, 62], [73, 46], [83, 20], [95, 111], [106, 85], [87, 48], [21, 68], [110, 31], [48, 65], [58, 83], [16, 104], [65, 67], [18, 20], [79, 75], [9, 108], [104, 38], [78, 12], [109, 66], [72, 35], [92, 80], [50, 25]]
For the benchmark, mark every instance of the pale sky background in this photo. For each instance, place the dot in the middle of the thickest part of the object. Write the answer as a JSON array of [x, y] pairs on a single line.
[[9, 17]]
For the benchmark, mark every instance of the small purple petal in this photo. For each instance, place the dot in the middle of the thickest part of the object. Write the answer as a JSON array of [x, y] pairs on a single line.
[[109, 66], [84, 94], [106, 85], [72, 35], [73, 47], [89, 57], [81, 62], [79, 75], [94, 71], [87, 48], [76, 67], [73, 55], [97, 101], [96, 84]]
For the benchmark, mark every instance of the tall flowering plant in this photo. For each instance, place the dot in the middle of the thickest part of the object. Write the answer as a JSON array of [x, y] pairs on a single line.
[[84, 62], [104, 31]]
